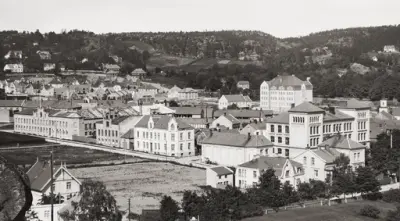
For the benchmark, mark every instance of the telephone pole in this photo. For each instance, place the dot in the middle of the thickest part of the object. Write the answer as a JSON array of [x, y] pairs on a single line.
[[51, 186], [129, 209]]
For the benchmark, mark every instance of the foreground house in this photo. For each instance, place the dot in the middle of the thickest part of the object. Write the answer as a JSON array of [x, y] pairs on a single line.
[[232, 149], [164, 135], [219, 177], [248, 174]]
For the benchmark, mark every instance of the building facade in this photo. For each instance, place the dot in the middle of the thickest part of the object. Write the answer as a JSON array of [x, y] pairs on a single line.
[[239, 100]]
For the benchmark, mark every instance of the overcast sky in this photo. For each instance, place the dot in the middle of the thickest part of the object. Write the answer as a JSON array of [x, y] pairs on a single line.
[[281, 18]]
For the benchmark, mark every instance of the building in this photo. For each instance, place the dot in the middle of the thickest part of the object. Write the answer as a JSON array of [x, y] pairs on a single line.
[[286, 170], [246, 115], [283, 92], [146, 89], [173, 93], [111, 68], [138, 72], [49, 66], [239, 100], [44, 55], [154, 109], [243, 84], [188, 94], [8, 108], [228, 121], [390, 49], [396, 113], [192, 112], [13, 54], [219, 177], [112, 132], [164, 135], [255, 129], [14, 68], [229, 149]]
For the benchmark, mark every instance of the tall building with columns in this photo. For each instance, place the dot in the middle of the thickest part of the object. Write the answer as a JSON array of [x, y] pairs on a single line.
[[284, 92]]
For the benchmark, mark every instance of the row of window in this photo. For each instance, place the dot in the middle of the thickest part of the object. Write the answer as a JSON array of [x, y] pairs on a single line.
[[362, 115], [314, 142], [356, 156], [298, 120], [89, 126], [314, 130], [287, 140], [107, 133], [35, 129], [362, 136], [272, 129], [314, 119], [157, 146], [362, 125], [157, 135], [305, 161], [42, 122]]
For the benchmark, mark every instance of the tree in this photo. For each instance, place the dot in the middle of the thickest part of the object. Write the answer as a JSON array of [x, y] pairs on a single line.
[[96, 204], [393, 215], [233, 107], [366, 181], [169, 209], [173, 103], [271, 193], [289, 194], [191, 203], [343, 180]]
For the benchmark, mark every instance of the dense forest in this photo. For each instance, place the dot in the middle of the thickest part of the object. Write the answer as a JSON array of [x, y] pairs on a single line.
[[346, 62]]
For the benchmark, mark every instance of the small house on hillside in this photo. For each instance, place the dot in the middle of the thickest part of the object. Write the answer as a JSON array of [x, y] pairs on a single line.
[[219, 177]]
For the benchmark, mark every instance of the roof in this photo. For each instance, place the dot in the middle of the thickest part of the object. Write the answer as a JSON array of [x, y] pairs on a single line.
[[244, 113], [258, 126], [231, 118], [147, 87], [275, 163], [237, 140], [385, 116], [356, 104], [341, 142], [138, 71], [306, 107], [119, 119], [27, 111], [396, 111], [242, 82], [221, 171], [338, 116], [234, 98], [287, 81], [161, 122], [40, 174], [11, 103], [129, 134], [282, 118], [328, 155], [187, 110]]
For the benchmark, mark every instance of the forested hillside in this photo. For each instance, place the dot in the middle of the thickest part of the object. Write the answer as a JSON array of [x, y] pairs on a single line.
[[346, 62]]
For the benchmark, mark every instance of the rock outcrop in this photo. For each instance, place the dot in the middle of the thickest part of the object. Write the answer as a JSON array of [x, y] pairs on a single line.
[[15, 193]]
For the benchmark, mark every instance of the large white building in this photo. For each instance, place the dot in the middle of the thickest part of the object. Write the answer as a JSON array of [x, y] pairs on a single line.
[[238, 99], [188, 94], [164, 135], [283, 92]]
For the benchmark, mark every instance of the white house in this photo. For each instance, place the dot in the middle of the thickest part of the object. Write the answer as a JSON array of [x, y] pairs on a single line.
[[226, 120], [229, 149], [13, 54], [248, 174], [14, 68], [390, 49], [49, 66], [188, 94], [174, 92], [243, 85], [238, 99], [283, 92], [254, 129], [147, 89], [219, 177], [164, 135]]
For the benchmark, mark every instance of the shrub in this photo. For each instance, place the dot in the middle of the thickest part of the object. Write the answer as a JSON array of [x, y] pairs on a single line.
[[392, 196], [372, 196], [370, 211]]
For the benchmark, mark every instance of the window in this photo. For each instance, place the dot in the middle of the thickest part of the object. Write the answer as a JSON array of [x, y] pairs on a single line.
[[219, 177], [172, 147], [287, 173], [279, 129], [172, 137], [272, 139], [137, 134], [68, 185], [355, 156], [188, 146], [305, 160], [287, 140], [189, 135], [47, 214], [165, 147], [286, 152], [279, 139], [358, 156], [181, 146], [287, 129], [279, 151], [316, 173], [53, 187], [312, 161], [272, 128], [181, 136], [254, 174]]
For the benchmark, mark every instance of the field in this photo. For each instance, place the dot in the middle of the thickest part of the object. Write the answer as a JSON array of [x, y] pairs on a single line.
[[10, 139], [70, 155], [144, 183], [342, 212]]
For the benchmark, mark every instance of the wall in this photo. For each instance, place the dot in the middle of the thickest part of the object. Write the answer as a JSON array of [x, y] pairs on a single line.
[[43, 212]]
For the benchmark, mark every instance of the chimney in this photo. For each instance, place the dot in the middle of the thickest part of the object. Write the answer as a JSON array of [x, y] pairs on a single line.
[[224, 113], [308, 79], [248, 136], [292, 105]]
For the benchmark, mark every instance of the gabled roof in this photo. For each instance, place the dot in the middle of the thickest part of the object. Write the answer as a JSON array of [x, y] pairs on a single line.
[[288, 81], [338, 116], [188, 90], [26, 111], [306, 107], [11, 103], [220, 171], [341, 142], [282, 118], [258, 126], [275, 163], [242, 82], [119, 119], [237, 140], [161, 122], [355, 104], [138, 71], [187, 110], [231, 118], [328, 155], [129, 134], [235, 98]]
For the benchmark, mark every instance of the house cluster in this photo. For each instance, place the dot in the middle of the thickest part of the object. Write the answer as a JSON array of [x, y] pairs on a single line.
[[14, 61]]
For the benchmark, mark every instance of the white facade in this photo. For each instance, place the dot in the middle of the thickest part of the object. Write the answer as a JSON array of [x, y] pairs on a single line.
[[109, 131], [240, 100], [188, 94], [282, 92], [14, 68], [219, 177]]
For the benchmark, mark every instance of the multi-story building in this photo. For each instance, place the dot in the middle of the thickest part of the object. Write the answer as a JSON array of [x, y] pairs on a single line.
[[188, 94], [164, 135], [283, 92], [13, 54], [14, 68], [238, 99], [219, 177]]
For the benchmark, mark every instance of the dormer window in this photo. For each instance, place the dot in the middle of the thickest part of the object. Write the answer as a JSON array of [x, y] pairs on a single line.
[[172, 127]]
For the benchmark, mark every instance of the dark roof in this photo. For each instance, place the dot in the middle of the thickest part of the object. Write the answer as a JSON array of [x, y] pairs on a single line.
[[288, 81], [235, 98], [150, 215], [355, 104], [221, 171], [119, 119], [232, 119], [396, 111], [40, 174], [282, 118], [161, 122], [187, 110], [264, 163], [341, 142], [306, 107], [11, 103], [237, 140], [258, 126], [26, 111], [244, 113], [129, 134]]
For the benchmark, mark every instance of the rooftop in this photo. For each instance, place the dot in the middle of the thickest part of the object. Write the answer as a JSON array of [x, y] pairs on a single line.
[[328, 155], [306, 107], [338, 116], [40, 174], [161, 122], [282, 118], [341, 142], [289, 81], [237, 140], [222, 171]]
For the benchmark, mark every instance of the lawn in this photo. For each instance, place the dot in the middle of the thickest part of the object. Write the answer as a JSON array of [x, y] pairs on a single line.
[[341, 212], [11, 139], [68, 154], [144, 183]]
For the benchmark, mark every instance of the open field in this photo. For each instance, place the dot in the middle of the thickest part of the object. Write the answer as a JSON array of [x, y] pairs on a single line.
[[341, 212], [144, 183], [10, 139], [70, 155]]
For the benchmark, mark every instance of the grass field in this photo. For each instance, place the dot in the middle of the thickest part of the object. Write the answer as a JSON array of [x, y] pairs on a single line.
[[10, 139], [70, 155], [341, 212], [144, 183]]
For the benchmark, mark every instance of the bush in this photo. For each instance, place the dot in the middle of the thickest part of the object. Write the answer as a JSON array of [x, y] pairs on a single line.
[[392, 196], [370, 211], [372, 196]]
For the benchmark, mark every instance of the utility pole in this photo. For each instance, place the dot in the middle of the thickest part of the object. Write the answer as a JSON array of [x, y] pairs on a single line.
[[129, 209], [51, 186]]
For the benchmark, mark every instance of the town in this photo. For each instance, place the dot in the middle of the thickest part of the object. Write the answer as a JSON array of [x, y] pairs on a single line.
[[102, 138]]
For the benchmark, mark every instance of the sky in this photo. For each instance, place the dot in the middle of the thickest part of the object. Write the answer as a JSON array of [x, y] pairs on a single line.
[[281, 18]]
